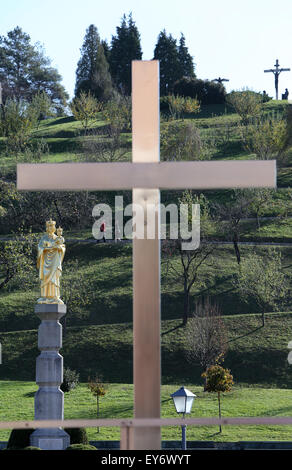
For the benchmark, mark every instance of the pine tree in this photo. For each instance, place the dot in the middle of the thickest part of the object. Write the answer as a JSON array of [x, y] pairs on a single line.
[[185, 59], [106, 50], [166, 52], [25, 70], [125, 47], [92, 74]]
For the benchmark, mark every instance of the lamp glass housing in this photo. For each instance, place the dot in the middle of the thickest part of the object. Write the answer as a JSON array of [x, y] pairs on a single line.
[[183, 400]]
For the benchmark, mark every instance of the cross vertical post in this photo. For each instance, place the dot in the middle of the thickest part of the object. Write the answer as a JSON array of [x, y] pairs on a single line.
[[146, 258]]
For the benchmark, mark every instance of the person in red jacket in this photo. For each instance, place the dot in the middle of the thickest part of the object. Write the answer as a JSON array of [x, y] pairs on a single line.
[[102, 229]]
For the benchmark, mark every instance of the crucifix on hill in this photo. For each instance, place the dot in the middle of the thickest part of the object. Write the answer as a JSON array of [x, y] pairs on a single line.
[[221, 80], [276, 71], [145, 175]]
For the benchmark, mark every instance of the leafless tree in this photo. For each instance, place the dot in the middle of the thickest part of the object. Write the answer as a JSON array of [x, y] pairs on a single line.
[[186, 265], [105, 144], [231, 214], [206, 335]]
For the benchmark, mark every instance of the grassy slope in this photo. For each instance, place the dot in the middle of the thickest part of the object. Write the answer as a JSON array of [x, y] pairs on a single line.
[[108, 271], [256, 356], [100, 340]]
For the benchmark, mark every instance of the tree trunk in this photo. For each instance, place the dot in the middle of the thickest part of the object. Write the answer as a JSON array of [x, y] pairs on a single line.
[[186, 305], [236, 248], [205, 383], [219, 407], [58, 211], [263, 318], [97, 409]]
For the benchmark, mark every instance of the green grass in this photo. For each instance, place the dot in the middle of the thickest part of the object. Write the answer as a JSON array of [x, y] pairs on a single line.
[[256, 355], [17, 403]]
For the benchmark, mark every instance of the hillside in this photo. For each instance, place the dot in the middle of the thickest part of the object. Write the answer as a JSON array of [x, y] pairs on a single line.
[[99, 335]]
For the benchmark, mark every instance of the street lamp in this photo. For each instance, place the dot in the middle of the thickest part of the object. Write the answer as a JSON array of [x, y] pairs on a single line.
[[183, 402]]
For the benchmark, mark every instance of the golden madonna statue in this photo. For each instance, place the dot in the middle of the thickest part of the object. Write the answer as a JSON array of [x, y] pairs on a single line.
[[51, 251]]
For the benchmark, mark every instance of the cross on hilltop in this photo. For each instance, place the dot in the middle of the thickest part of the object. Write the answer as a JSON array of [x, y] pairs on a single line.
[[276, 71]]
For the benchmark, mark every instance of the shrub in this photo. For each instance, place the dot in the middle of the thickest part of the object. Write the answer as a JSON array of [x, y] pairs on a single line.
[[182, 142], [32, 448], [180, 105], [267, 138], [246, 103], [77, 435], [19, 439], [70, 380], [84, 109], [81, 447], [118, 114], [204, 91], [17, 121]]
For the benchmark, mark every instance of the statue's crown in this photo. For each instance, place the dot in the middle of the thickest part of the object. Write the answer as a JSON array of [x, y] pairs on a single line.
[[50, 222]]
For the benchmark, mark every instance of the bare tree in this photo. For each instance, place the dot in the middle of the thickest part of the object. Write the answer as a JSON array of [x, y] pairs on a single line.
[[231, 214], [186, 265], [105, 145], [206, 335]]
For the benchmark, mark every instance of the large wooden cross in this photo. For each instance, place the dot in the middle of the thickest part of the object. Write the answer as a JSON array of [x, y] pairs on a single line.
[[145, 174]]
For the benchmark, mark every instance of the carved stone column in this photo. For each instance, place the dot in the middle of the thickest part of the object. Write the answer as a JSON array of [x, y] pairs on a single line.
[[49, 399]]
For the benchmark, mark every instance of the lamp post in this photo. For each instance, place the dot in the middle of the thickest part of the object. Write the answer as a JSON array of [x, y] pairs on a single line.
[[183, 402]]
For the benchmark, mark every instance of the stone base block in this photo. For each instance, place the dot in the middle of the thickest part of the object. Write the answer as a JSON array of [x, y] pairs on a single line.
[[50, 439]]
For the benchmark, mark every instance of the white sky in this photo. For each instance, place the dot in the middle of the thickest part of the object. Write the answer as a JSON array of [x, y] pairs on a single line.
[[228, 38]]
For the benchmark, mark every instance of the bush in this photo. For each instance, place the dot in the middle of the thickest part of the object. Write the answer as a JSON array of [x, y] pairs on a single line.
[[179, 105], [19, 439], [81, 447], [17, 120], [77, 435], [84, 109], [204, 91], [246, 103], [183, 142], [70, 380], [32, 448]]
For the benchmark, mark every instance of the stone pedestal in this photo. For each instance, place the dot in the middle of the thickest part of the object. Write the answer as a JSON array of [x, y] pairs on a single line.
[[49, 399]]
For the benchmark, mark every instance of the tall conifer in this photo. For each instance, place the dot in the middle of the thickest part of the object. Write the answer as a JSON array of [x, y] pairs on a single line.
[[185, 59], [125, 47], [92, 74], [167, 53]]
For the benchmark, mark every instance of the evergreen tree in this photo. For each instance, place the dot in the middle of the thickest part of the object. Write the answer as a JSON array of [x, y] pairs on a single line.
[[125, 47], [166, 52], [185, 59], [25, 70], [106, 50], [92, 74]]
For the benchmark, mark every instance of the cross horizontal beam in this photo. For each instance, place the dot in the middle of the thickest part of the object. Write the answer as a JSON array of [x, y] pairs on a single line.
[[163, 175]]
